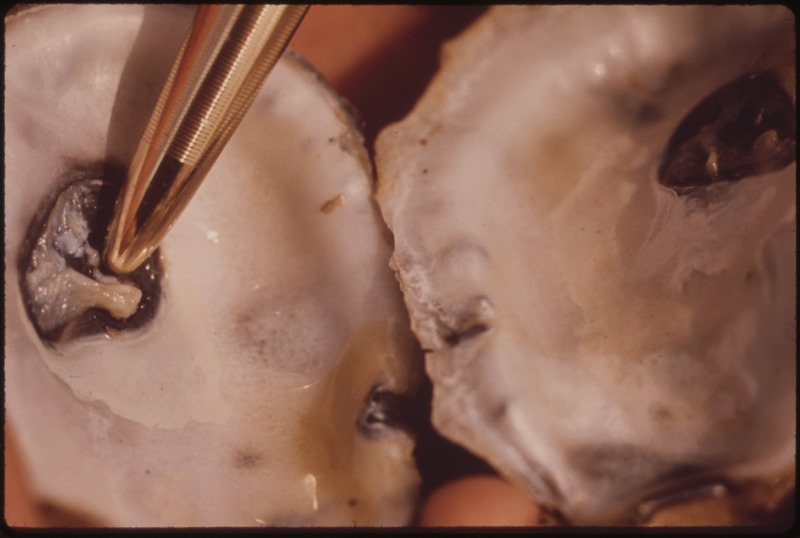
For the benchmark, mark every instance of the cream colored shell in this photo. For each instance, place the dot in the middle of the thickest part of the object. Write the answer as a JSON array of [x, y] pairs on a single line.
[[593, 335], [238, 405]]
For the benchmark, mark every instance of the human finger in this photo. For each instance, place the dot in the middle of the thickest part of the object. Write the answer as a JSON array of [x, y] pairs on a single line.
[[479, 501]]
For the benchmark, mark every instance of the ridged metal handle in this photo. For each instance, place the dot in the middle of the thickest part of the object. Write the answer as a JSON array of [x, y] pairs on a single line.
[[222, 64]]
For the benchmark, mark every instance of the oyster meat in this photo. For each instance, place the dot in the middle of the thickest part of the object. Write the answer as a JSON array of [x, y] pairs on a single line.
[[265, 386], [595, 227]]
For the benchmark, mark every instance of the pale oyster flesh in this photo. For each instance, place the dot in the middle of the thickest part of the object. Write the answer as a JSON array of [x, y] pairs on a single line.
[[67, 291], [597, 337], [258, 394]]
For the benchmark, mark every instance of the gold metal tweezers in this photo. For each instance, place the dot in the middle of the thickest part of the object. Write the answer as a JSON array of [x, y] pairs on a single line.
[[222, 64]]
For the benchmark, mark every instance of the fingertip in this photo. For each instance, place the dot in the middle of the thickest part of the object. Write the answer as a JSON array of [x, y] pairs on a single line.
[[478, 501]]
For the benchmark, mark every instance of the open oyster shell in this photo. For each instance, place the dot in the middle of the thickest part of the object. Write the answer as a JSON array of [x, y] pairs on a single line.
[[262, 390], [605, 341]]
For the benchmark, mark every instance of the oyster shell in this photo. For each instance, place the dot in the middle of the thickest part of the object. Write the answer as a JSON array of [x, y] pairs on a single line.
[[261, 392], [605, 341]]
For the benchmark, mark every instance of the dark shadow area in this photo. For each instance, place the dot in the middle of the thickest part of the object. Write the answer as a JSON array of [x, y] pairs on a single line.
[[438, 459], [388, 84]]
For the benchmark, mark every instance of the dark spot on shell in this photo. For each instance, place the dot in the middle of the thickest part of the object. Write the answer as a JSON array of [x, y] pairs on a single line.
[[245, 459], [455, 338], [648, 507], [616, 470], [637, 110], [499, 411], [385, 410], [474, 318], [661, 413], [746, 128], [647, 112]]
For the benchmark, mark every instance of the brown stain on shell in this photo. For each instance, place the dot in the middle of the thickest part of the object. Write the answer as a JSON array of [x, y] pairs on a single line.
[[329, 206]]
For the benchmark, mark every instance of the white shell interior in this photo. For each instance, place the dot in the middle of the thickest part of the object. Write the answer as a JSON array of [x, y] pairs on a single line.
[[238, 405], [589, 332]]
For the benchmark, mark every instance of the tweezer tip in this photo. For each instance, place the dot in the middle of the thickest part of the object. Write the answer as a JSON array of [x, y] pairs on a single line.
[[123, 252], [125, 261], [118, 259]]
